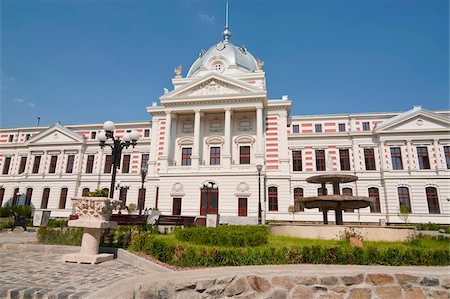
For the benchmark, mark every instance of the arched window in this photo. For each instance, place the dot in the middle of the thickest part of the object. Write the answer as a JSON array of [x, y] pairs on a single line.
[[433, 200], [2, 194], [45, 196], [299, 205], [85, 192], [375, 206], [63, 198], [16, 197], [28, 196], [347, 191], [141, 199], [273, 199], [123, 197], [403, 198]]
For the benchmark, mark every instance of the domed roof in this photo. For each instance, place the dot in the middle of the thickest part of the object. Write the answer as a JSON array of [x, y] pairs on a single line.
[[224, 53]]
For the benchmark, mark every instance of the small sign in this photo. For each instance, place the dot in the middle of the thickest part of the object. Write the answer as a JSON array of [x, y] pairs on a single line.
[[41, 217], [212, 220]]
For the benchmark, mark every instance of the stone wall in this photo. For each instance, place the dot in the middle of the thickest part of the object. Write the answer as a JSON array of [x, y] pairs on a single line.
[[295, 284]]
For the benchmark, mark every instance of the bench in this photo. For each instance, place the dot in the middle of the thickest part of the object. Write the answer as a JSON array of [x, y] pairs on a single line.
[[129, 219], [175, 220], [19, 221]]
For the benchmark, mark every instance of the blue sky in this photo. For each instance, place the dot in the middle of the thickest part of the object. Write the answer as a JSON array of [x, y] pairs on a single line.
[[86, 61]]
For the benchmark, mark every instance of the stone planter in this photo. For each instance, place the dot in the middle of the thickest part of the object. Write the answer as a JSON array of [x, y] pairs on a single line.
[[93, 215]]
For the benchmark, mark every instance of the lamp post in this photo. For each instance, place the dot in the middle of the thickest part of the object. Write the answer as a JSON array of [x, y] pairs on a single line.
[[117, 145], [141, 203], [259, 168]]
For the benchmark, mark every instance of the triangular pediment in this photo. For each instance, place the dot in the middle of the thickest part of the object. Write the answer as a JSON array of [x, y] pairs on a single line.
[[56, 134], [213, 85], [415, 120]]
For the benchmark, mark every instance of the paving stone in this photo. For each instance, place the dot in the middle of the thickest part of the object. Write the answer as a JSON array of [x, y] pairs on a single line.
[[360, 294], [414, 293], [258, 283], [429, 282], [351, 280], [379, 278], [339, 289], [277, 293], [305, 280], [215, 290], [446, 283], [406, 278], [204, 284], [440, 294], [283, 281], [330, 296], [247, 295], [388, 292], [300, 292], [189, 294]]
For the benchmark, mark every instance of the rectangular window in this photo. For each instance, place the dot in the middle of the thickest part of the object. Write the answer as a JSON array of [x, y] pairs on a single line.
[[53, 161], [70, 160], [341, 127], [403, 198], [36, 164], [447, 156], [126, 163], [396, 157], [10, 138], [318, 128], [176, 206], [422, 155], [369, 158], [144, 159], [242, 207], [28, 196], [45, 196], [90, 163], [123, 197], [244, 155], [6, 165], [375, 206], [366, 126], [93, 135], [186, 153], [344, 158], [108, 164], [297, 160], [214, 156], [433, 200], [273, 199], [147, 133], [23, 164], [320, 160], [295, 129]]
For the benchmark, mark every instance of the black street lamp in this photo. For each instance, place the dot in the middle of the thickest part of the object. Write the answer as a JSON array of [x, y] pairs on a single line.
[[259, 168], [141, 201], [129, 138]]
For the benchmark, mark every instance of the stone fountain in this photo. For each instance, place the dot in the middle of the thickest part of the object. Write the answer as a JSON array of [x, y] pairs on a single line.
[[93, 215], [335, 201]]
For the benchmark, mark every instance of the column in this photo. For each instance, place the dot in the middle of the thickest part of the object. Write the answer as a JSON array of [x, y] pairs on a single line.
[[410, 160], [167, 137], [259, 136], [226, 157], [436, 154], [196, 147]]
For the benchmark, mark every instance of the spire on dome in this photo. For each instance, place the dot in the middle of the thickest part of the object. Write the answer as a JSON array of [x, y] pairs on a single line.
[[226, 33]]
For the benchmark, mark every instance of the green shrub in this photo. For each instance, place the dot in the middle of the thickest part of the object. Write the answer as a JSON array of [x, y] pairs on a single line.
[[122, 236], [226, 235], [60, 236], [98, 193], [22, 211], [52, 223], [172, 251], [434, 227]]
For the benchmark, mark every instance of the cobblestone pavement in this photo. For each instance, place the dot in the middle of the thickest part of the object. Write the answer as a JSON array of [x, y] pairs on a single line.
[[28, 274]]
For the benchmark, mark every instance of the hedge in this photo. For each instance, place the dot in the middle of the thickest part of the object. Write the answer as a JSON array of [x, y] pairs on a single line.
[[22, 211], [225, 235], [183, 254]]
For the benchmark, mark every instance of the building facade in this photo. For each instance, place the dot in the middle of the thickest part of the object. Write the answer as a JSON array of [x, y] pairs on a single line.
[[206, 138]]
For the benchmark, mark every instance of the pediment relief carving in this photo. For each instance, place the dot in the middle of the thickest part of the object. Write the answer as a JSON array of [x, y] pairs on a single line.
[[245, 125], [244, 139], [212, 87], [216, 126], [215, 140], [185, 141]]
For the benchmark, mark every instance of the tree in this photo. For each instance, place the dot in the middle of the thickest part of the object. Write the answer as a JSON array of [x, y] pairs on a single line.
[[403, 213]]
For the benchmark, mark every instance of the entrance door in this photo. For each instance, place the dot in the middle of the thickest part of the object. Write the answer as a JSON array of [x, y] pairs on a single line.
[[209, 203]]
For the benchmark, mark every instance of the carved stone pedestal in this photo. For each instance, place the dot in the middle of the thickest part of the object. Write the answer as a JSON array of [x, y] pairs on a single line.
[[93, 215]]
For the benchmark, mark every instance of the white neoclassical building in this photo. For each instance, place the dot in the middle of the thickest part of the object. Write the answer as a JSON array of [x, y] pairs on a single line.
[[206, 138]]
